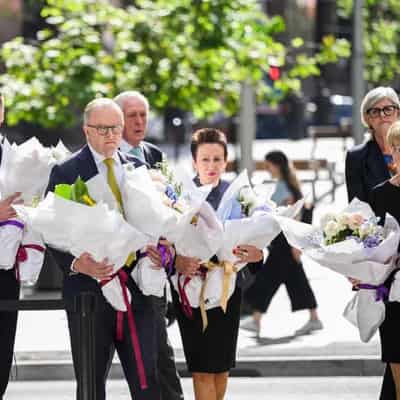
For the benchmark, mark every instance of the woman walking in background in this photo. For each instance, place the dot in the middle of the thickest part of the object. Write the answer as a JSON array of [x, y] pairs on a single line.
[[283, 265], [371, 163]]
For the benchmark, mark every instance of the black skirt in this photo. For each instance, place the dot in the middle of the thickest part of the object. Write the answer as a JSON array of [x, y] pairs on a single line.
[[213, 351]]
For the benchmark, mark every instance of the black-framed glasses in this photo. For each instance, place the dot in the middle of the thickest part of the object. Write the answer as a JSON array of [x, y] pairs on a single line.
[[388, 111], [104, 130]]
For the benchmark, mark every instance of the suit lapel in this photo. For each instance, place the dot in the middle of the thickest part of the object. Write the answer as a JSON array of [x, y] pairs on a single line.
[[87, 167]]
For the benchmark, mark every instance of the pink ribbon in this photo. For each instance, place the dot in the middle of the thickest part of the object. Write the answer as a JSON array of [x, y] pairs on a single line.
[[123, 278], [186, 307], [22, 255]]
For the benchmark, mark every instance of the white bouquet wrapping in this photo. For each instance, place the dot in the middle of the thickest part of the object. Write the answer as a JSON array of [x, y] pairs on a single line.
[[248, 219], [11, 232], [77, 228], [31, 252], [200, 240], [148, 207], [26, 168], [359, 249]]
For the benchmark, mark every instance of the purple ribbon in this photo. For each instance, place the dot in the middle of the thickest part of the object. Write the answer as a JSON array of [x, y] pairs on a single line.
[[166, 258], [382, 291], [12, 222]]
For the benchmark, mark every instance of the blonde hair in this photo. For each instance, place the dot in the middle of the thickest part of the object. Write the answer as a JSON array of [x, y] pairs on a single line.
[[393, 135]]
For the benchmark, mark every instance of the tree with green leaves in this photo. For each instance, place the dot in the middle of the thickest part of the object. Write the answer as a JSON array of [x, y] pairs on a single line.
[[381, 38], [189, 54]]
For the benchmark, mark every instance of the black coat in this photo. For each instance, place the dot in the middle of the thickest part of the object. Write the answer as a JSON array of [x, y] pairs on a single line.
[[365, 168]]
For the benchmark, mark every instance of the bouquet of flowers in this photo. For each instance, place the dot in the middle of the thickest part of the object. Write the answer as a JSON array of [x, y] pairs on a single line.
[[160, 209], [26, 169], [248, 218], [354, 245], [71, 220]]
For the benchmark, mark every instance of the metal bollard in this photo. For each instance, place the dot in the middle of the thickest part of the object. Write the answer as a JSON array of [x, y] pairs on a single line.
[[86, 308]]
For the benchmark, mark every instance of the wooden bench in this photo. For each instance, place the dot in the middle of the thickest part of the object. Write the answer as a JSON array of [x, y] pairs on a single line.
[[319, 169]]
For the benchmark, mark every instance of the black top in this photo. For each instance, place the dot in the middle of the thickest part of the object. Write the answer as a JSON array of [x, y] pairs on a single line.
[[365, 168], [385, 198]]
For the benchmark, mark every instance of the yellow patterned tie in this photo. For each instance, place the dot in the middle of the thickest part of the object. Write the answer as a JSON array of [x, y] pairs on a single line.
[[112, 182]]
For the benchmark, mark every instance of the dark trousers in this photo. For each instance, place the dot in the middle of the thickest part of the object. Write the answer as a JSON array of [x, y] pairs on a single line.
[[171, 388], [388, 390], [106, 343], [9, 290], [281, 268]]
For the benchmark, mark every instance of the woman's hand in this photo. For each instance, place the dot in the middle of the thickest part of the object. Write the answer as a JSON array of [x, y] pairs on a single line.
[[248, 254], [187, 266], [296, 253], [354, 282], [6, 210]]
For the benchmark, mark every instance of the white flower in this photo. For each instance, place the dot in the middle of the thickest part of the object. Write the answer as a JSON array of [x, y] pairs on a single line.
[[327, 218], [332, 228], [366, 229], [343, 220]]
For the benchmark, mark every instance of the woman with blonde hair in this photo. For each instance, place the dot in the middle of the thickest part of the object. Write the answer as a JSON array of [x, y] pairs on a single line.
[[371, 163]]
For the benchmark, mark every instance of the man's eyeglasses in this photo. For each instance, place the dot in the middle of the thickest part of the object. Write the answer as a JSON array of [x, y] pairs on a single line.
[[388, 111], [104, 130]]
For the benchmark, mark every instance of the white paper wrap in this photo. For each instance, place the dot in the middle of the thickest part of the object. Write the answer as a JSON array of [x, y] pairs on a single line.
[[10, 240], [29, 269], [145, 209], [351, 259], [26, 168]]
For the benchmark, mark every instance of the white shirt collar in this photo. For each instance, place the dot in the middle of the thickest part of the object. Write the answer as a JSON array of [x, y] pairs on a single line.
[[99, 158]]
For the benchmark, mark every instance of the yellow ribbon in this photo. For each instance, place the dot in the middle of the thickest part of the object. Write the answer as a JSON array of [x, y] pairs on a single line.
[[229, 269]]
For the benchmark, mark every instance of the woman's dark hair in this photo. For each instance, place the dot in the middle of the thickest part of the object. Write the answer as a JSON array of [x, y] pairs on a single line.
[[288, 175], [208, 135]]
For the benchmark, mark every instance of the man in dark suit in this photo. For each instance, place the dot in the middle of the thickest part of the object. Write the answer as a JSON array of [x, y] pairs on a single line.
[[136, 110], [103, 126], [9, 290]]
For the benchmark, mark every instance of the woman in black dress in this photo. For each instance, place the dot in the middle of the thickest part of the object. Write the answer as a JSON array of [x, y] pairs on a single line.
[[370, 164], [211, 354], [385, 198]]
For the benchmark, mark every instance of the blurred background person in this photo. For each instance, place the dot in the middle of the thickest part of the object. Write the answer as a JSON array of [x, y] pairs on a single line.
[[283, 266], [371, 163]]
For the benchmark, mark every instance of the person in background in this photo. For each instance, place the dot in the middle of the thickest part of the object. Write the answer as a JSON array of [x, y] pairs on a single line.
[[136, 112], [211, 354], [371, 163], [9, 290], [283, 265]]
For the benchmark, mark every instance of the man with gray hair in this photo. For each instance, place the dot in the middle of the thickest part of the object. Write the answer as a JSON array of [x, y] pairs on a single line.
[[103, 126], [136, 111]]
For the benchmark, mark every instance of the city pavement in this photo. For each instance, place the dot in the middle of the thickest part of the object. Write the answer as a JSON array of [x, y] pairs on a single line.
[[342, 388], [43, 351]]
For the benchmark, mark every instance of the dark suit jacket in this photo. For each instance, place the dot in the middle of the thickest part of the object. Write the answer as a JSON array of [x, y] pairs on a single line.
[[365, 168], [80, 164], [152, 154]]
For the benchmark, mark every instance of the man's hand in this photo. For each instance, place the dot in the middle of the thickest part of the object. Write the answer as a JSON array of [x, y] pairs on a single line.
[[187, 266], [6, 210], [155, 256], [85, 264], [248, 254]]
